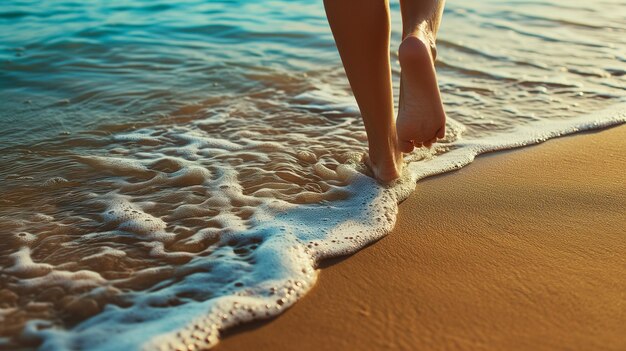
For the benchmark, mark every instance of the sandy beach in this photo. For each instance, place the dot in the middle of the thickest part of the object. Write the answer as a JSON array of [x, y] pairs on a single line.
[[520, 250]]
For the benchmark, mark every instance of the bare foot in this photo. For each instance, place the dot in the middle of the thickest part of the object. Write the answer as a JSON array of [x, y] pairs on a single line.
[[387, 169], [385, 161], [421, 118]]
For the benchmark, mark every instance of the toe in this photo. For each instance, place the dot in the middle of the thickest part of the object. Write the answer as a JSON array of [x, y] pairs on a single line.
[[406, 146], [441, 133]]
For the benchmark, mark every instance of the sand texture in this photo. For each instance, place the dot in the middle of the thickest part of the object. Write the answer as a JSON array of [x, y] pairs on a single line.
[[522, 250]]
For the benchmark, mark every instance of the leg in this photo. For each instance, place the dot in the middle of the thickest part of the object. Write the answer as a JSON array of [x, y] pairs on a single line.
[[361, 30], [421, 118]]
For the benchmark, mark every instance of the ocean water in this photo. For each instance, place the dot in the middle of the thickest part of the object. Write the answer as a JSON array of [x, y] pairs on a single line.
[[170, 169]]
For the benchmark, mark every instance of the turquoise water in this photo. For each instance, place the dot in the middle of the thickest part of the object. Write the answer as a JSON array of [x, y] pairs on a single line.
[[172, 169]]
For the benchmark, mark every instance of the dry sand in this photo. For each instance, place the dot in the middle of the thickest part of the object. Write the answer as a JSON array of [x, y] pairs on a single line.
[[519, 251]]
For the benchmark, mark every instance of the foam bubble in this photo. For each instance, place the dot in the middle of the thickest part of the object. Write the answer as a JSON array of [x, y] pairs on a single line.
[[129, 217], [24, 267]]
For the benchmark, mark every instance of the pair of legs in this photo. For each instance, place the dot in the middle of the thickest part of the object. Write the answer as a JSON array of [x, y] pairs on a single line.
[[361, 30]]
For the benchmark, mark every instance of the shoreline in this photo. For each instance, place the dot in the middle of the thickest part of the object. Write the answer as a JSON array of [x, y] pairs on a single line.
[[518, 252]]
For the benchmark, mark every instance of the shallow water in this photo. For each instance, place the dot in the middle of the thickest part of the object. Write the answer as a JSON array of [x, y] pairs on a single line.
[[172, 169]]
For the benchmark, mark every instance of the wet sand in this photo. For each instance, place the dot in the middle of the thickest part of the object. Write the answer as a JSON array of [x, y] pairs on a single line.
[[518, 251]]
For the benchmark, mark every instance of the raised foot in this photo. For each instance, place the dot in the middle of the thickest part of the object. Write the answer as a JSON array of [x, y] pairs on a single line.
[[421, 118]]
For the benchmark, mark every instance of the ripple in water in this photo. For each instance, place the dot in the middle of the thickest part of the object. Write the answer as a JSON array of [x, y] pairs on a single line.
[[171, 170]]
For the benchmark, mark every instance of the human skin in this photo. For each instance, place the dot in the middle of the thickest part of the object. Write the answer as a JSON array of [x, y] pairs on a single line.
[[361, 29]]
